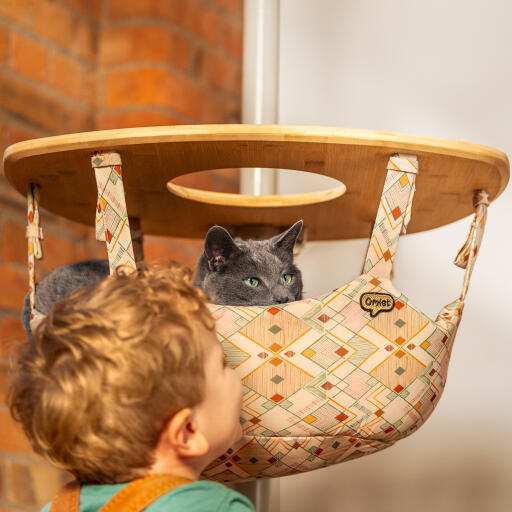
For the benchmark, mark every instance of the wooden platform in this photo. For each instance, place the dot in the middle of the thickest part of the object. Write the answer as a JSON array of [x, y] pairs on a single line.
[[449, 172]]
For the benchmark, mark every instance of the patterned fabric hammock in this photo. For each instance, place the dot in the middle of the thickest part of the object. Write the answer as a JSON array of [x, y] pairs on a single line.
[[327, 379]]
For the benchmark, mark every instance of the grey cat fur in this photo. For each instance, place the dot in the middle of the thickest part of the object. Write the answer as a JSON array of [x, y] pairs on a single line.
[[61, 283], [227, 262], [220, 275]]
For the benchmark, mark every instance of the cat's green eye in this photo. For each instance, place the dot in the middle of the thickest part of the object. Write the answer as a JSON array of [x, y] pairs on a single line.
[[252, 282], [287, 278]]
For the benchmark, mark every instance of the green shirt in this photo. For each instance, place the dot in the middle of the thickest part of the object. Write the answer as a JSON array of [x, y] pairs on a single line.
[[200, 496]]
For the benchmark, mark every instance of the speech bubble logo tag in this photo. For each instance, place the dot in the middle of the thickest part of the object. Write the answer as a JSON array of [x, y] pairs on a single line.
[[376, 303]]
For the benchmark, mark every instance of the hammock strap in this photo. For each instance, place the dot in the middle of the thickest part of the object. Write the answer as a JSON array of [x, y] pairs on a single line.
[[34, 235], [467, 255], [449, 317], [112, 225], [393, 215]]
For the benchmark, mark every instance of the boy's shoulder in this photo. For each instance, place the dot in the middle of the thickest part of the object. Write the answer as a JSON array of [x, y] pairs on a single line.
[[200, 496], [203, 496]]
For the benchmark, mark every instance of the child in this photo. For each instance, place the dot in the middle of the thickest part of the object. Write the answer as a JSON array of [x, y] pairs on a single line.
[[126, 379]]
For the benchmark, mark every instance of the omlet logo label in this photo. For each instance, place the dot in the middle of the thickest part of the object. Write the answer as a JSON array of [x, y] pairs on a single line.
[[376, 303]]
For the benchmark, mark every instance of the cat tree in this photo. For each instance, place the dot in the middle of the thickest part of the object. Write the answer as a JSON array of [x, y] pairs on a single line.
[[408, 369]]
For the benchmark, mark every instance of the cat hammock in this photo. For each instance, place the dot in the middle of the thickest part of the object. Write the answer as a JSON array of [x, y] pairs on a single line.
[[326, 379]]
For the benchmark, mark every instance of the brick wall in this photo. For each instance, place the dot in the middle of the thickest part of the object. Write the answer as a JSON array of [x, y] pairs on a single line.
[[77, 65]]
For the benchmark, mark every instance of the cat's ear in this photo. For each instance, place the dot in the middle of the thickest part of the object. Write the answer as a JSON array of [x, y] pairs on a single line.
[[287, 239], [219, 248]]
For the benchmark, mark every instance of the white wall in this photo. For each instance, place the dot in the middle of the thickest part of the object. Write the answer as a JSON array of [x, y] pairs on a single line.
[[441, 68]]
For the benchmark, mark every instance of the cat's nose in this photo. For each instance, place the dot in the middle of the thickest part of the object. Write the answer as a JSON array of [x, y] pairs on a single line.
[[281, 300]]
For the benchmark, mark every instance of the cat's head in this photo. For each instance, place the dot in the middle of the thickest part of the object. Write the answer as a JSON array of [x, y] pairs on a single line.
[[249, 272]]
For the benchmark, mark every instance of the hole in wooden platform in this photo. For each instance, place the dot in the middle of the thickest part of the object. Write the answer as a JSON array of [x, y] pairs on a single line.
[[243, 200]]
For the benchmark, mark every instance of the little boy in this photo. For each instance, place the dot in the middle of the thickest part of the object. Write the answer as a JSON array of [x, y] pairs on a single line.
[[126, 379]]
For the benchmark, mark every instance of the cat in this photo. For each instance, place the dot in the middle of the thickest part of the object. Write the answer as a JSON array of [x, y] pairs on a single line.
[[60, 283], [236, 272], [249, 272]]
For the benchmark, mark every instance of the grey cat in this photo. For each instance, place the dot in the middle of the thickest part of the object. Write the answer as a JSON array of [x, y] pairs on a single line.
[[61, 283], [249, 272], [229, 271]]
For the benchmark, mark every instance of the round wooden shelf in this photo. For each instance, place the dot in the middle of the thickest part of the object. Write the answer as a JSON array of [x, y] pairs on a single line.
[[449, 172]]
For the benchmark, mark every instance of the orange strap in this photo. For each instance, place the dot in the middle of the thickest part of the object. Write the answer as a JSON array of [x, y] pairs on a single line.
[[135, 497], [68, 499]]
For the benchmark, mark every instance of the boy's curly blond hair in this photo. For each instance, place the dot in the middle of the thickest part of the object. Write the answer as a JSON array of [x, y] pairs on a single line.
[[108, 367]]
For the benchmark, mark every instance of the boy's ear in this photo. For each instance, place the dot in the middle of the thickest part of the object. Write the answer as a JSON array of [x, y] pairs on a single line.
[[184, 437]]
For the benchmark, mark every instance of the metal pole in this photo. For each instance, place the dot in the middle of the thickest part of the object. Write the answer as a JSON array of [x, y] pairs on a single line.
[[260, 92], [260, 82]]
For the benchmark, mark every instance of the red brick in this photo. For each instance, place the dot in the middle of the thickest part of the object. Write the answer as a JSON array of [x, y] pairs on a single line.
[[58, 24], [28, 57], [202, 180], [119, 9], [91, 8], [55, 22], [196, 17], [213, 109], [35, 484], [3, 482], [13, 243], [231, 112], [154, 87], [233, 7], [13, 201], [80, 120], [94, 249], [227, 180], [146, 43], [233, 40], [3, 45], [12, 335], [85, 232], [57, 251], [16, 281], [13, 439], [5, 376], [133, 119], [185, 252], [15, 134], [219, 180], [66, 75], [21, 11], [33, 105], [84, 40], [221, 73], [91, 88]]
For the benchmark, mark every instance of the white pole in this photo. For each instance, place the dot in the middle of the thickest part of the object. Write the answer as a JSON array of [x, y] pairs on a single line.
[[260, 93], [260, 82]]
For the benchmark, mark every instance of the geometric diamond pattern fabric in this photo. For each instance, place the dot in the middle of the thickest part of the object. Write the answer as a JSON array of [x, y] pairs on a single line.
[[393, 214], [112, 225], [324, 381], [346, 388], [274, 329], [35, 251]]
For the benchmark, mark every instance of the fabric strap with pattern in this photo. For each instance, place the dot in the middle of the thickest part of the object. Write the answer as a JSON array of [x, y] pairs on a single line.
[[112, 225], [135, 497], [449, 317], [393, 215], [34, 234]]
